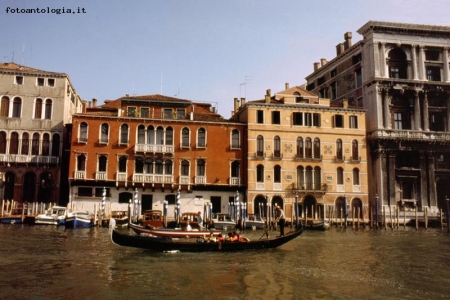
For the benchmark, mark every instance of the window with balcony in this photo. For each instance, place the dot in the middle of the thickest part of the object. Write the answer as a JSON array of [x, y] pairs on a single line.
[[185, 133], [276, 119], [38, 108], [159, 168], [4, 109], [316, 148], [159, 135], [14, 143], [201, 138], [437, 120], [260, 173], [201, 167], [104, 133], [122, 167], [168, 167], [150, 135], [141, 134], [81, 162], [339, 155], [35, 144], [260, 117], [55, 144], [235, 140], [123, 134], [17, 107], [277, 147], [102, 163], [148, 166], [235, 169], [397, 63], [184, 170], [308, 148], [169, 136], [300, 150], [25, 143], [46, 144], [83, 132], [138, 165], [259, 146], [48, 109]]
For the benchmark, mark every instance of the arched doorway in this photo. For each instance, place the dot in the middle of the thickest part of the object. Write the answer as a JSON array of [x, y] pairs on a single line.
[[339, 208], [8, 186], [45, 188], [442, 191], [29, 187], [357, 208], [260, 206], [309, 206]]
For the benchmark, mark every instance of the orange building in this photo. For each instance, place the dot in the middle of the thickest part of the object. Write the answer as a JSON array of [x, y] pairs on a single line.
[[152, 146]]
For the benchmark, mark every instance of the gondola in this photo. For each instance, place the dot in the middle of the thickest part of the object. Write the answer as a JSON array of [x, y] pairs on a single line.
[[166, 244], [173, 232]]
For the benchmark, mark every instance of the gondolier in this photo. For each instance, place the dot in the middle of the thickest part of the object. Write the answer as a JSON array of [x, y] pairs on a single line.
[[281, 220]]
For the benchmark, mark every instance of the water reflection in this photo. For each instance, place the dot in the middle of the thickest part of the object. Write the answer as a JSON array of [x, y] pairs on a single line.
[[54, 263]]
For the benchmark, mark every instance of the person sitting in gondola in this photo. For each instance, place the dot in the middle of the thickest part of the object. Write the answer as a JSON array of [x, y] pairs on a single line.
[[235, 237], [220, 238]]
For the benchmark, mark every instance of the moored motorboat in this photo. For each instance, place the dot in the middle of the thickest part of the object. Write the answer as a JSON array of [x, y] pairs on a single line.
[[166, 244], [315, 224], [222, 221], [153, 218], [120, 217], [79, 219], [173, 232], [254, 221], [54, 216]]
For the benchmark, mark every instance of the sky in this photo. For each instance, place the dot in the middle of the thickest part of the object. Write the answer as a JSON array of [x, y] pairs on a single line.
[[199, 50]]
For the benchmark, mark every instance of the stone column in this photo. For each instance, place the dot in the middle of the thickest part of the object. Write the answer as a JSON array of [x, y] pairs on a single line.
[[383, 65], [386, 111], [414, 62], [426, 121], [423, 181], [391, 178], [431, 181], [376, 58], [379, 107], [446, 66], [417, 125], [423, 75]]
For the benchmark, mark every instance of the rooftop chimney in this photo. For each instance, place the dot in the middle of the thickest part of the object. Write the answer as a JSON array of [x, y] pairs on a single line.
[[94, 102], [267, 97], [242, 102], [348, 40], [236, 104], [316, 66], [286, 86], [323, 62], [340, 48]]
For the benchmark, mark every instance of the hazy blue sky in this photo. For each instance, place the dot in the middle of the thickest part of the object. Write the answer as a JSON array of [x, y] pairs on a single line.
[[201, 50]]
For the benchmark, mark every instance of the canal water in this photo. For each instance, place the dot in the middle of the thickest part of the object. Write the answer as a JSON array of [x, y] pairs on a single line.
[[44, 262]]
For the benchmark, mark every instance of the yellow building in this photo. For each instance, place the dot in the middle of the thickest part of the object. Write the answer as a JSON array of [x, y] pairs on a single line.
[[302, 149]]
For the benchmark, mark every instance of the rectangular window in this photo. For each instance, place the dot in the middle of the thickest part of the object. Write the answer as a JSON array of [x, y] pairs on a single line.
[[19, 80], [398, 121], [358, 77], [308, 119], [131, 111], [51, 82], [321, 80], [276, 117], [99, 192], [338, 121], [333, 90], [333, 73], [181, 114], [167, 113], [356, 58], [297, 118], [84, 191], [316, 119], [395, 72], [144, 112], [434, 73], [260, 117], [40, 81], [354, 122]]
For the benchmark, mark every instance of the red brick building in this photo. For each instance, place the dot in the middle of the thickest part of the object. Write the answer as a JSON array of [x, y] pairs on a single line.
[[155, 145]]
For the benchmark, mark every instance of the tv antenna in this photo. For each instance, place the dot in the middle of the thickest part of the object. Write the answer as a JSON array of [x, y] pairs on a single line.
[[247, 80]]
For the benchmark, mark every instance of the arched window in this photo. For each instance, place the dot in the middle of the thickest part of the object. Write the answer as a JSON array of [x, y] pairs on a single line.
[[201, 167], [123, 164], [355, 176], [309, 178], [55, 145], [81, 162], [139, 165], [299, 147], [17, 108], [339, 149], [46, 144], [260, 173], [277, 174], [201, 137], [104, 133], [38, 108], [83, 134], [141, 134], [150, 135], [102, 163], [4, 110], [14, 143], [235, 140], [316, 148], [340, 176], [184, 168], [397, 63], [185, 137], [25, 143], [159, 166], [308, 148], [2, 142], [168, 167], [169, 136], [35, 144], [277, 147], [124, 134], [259, 146], [355, 152], [148, 166], [317, 178], [235, 169], [160, 135], [301, 177], [48, 109]]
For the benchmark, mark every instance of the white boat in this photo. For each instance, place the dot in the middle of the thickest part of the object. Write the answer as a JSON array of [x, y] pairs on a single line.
[[222, 221], [79, 219], [54, 216], [254, 220]]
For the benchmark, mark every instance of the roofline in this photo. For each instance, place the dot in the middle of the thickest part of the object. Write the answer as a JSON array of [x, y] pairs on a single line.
[[406, 28]]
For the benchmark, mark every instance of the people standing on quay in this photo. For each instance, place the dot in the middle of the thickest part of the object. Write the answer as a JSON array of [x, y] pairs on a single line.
[[281, 220], [199, 220]]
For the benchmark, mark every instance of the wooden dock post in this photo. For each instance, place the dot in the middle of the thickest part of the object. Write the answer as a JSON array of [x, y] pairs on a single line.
[[404, 218], [384, 217], [441, 219], [3, 207], [426, 217], [417, 218]]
